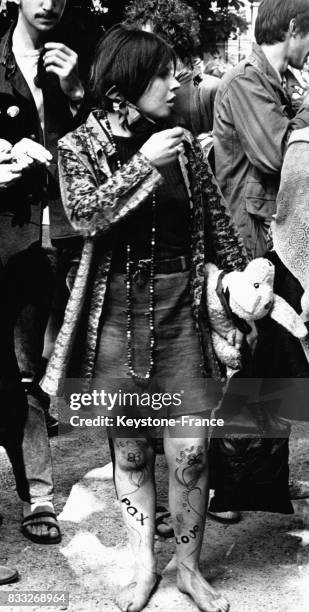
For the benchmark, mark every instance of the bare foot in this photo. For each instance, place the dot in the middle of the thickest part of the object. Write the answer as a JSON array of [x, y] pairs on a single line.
[[136, 595], [38, 527], [192, 583]]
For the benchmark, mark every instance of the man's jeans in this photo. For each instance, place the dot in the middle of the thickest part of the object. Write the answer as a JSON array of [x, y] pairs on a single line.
[[31, 460], [37, 454], [36, 288]]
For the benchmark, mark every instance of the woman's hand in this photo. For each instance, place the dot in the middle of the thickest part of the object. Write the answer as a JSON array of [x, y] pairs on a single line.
[[29, 153], [163, 147]]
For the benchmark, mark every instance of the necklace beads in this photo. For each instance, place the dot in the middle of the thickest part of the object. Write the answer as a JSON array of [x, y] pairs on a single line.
[[139, 378]]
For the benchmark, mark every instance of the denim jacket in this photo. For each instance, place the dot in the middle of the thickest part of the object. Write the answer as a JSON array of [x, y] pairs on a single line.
[[253, 121]]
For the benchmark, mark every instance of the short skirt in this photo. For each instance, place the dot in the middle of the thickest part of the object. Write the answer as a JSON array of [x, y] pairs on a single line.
[[178, 371]]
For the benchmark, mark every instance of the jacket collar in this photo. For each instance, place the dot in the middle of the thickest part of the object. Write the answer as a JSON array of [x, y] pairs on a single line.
[[13, 74], [260, 61], [7, 58], [101, 141]]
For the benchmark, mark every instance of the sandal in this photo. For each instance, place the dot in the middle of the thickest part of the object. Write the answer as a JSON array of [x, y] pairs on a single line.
[[229, 517], [8, 575], [48, 519], [163, 525]]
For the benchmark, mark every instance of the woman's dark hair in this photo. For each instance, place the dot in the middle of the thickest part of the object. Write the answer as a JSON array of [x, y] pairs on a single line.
[[175, 20], [129, 59], [274, 17]]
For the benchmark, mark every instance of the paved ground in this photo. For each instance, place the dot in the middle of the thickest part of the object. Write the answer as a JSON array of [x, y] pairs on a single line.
[[262, 564]]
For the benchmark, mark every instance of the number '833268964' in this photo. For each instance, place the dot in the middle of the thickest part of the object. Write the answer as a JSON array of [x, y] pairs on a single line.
[[40, 598]]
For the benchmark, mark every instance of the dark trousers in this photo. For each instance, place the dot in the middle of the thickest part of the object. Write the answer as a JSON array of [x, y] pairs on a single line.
[[13, 406], [26, 286]]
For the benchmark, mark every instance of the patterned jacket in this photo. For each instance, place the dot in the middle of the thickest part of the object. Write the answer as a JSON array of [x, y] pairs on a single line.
[[95, 199]]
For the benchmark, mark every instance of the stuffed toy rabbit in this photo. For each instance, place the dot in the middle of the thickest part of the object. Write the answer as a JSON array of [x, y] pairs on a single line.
[[236, 298]]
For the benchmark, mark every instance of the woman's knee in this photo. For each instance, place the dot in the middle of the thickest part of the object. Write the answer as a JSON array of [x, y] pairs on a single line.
[[188, 455], [132, 455]]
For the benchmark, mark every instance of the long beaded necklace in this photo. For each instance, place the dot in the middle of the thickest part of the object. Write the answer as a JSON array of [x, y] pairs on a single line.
[[139, 378]]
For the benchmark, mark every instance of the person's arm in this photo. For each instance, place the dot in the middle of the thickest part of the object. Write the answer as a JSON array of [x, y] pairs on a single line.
[[93, 208], [95, 204], [260, 121], [206, 93]]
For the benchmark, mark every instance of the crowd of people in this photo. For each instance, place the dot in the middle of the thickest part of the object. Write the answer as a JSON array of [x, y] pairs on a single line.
[[110, 209]]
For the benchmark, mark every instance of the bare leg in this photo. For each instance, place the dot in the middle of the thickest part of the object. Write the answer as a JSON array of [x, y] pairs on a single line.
[[134, 478], [188, 497]]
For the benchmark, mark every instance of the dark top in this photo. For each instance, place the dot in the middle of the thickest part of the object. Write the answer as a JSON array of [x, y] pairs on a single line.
[[172, 215], [195, 101], [21, 204]]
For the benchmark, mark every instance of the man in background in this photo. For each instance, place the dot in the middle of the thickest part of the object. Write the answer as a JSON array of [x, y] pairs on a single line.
[[254, 118], [255, 114], [40, 96]]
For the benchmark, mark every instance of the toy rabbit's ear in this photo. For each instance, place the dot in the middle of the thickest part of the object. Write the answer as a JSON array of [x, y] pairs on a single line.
[[286, 316]]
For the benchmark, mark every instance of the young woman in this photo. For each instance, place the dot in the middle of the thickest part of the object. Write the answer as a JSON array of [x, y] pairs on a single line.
[[152, 215]]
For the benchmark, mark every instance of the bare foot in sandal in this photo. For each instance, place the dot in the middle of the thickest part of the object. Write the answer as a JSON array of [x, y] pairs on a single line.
[[40, 525]]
